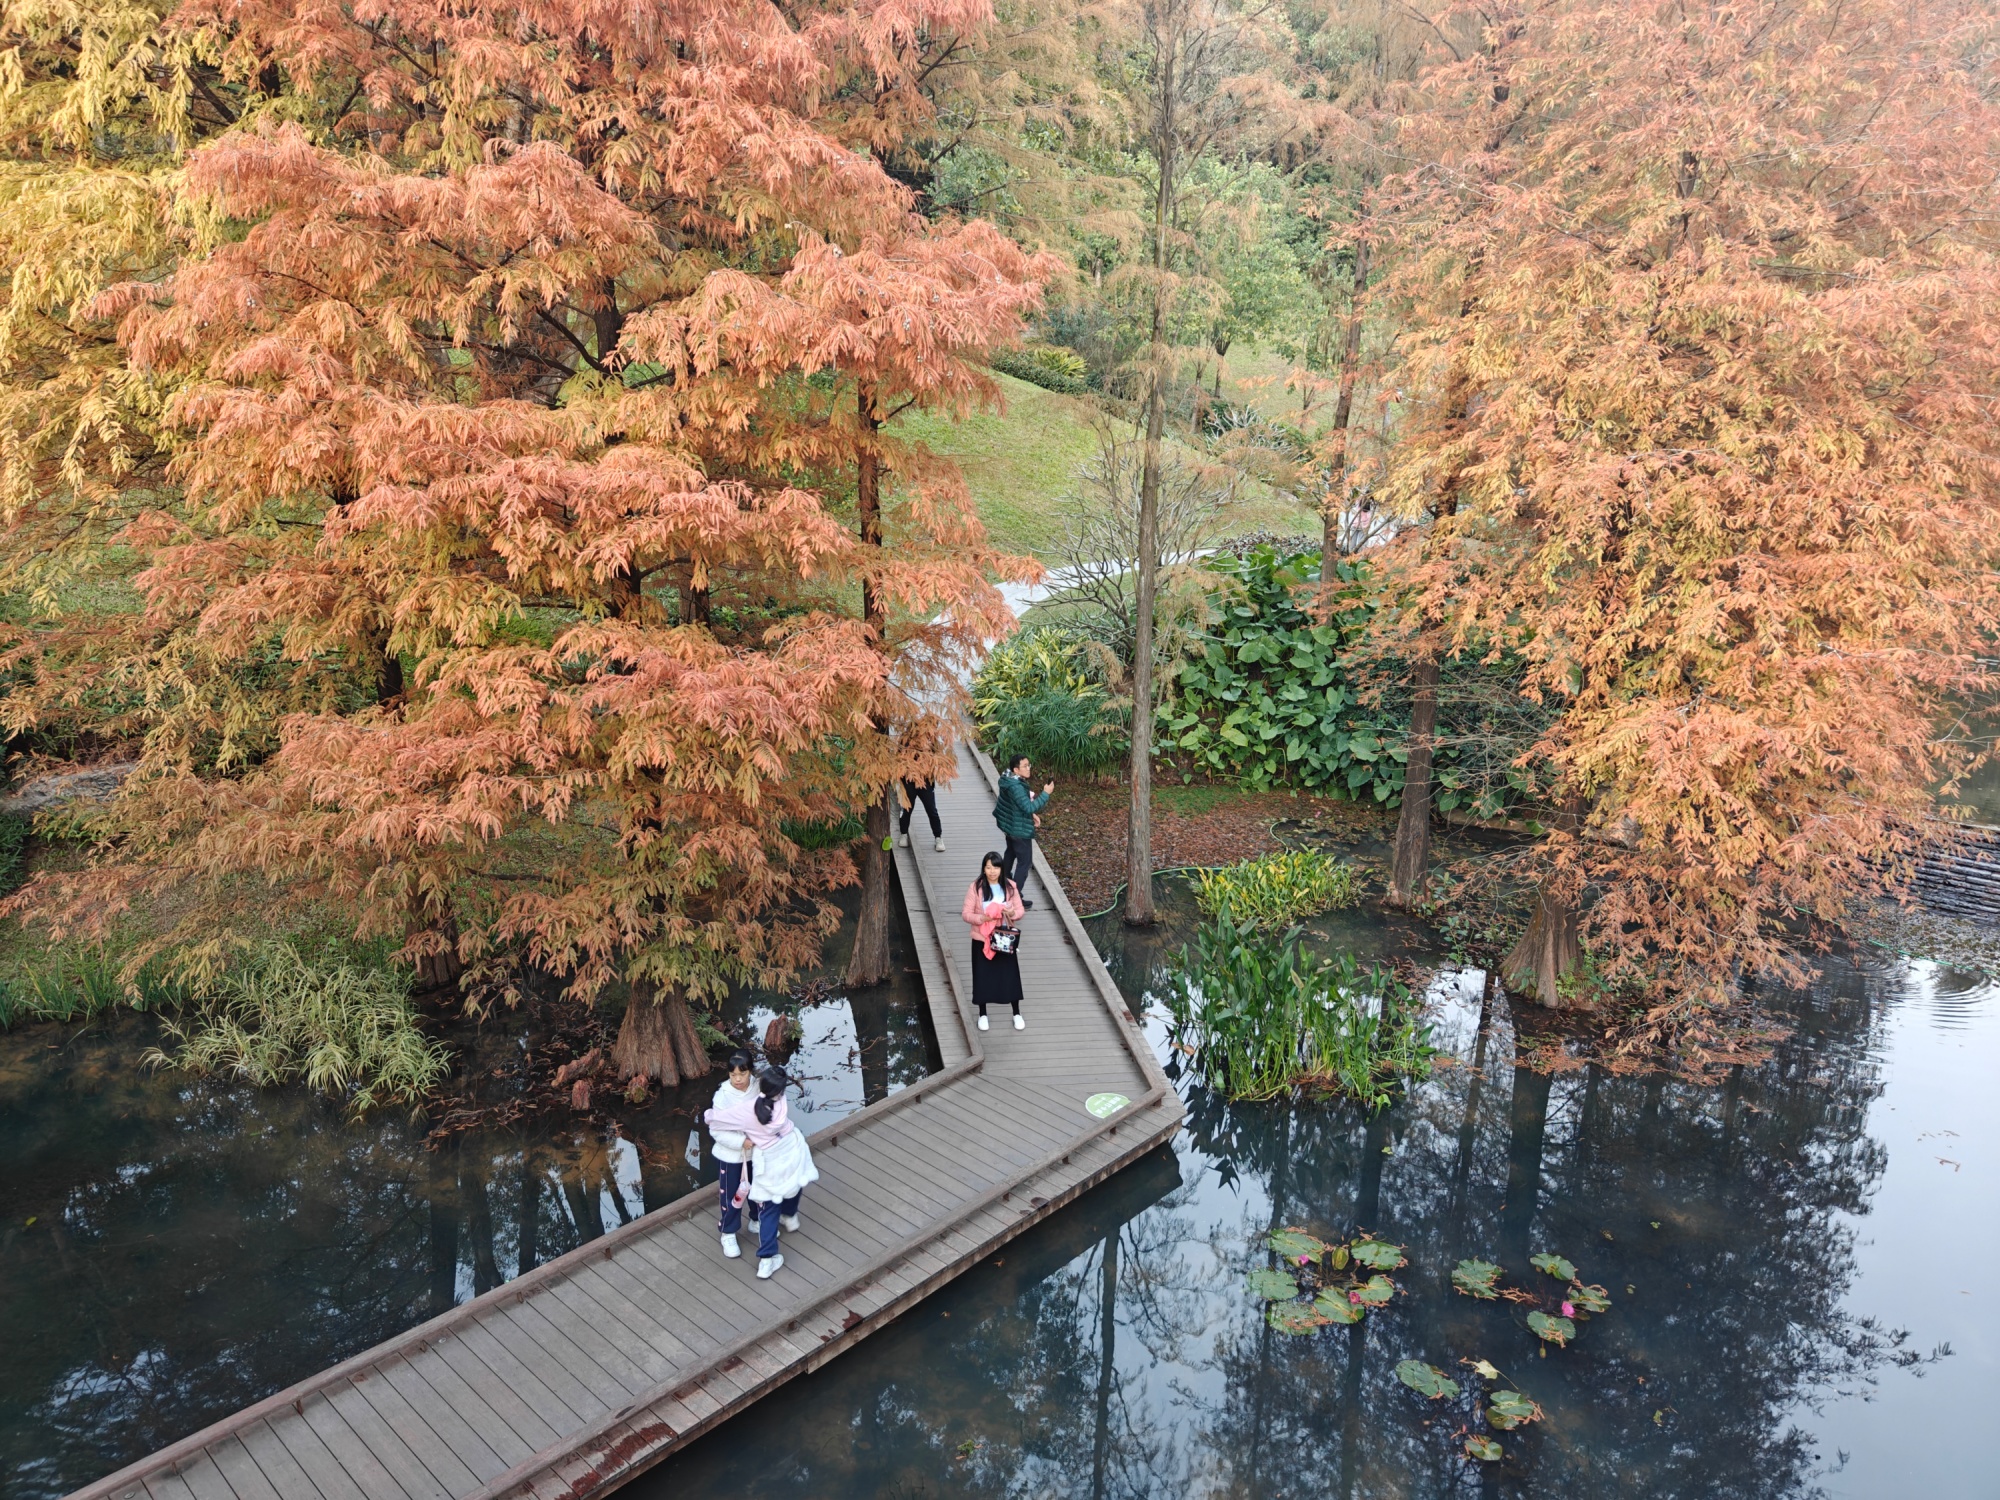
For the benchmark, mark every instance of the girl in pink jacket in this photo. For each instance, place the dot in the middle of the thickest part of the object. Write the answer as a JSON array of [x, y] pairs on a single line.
[[993, 901]]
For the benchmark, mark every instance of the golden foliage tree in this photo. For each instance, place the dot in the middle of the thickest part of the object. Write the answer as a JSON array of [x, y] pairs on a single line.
[[1702, 357]]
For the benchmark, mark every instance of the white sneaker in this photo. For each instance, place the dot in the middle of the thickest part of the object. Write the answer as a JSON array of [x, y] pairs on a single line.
[[1019, 1024], [789, 1223], [730, 1248], [767, 1268], [982, 1023], [939, 846], [903, 839]]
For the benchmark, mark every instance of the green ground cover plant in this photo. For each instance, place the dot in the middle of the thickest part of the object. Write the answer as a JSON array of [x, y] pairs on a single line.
[[1272, 891]]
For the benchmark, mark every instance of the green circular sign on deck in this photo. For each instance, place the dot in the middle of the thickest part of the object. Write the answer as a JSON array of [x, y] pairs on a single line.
[[1104, 1106]]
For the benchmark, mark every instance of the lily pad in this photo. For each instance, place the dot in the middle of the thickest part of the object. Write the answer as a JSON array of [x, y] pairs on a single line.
[[1273, 1286], [1511, 1409], [1376, 1291], [1483, 1368], [1340, 1257], [1426, 1380], [1292, 1243], [1377, 1256], [1335, 1308], [1551, 1329], [1293, 1317], [1475, 1278], [1555, 1265], [1484, 1449], [1590, 1299]]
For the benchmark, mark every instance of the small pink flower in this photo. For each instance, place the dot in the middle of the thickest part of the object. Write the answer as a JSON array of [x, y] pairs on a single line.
[[1355, 1298], [1569, 1310], [1304, 1259]]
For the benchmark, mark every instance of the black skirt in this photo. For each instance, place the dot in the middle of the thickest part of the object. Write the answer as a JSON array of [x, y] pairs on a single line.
[[995, 980]]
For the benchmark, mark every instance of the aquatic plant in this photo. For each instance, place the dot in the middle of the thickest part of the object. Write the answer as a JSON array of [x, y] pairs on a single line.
[[1328, 1276], [340, 1029], [1260, 1015], [1270, 892]]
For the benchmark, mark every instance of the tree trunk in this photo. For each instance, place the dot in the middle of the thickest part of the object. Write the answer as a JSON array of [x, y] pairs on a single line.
[[869, 962], [1343, 415], [1547, 953], [657, 1039], [1412, 857], [1139, 910], [1550, 951], [438, 966]]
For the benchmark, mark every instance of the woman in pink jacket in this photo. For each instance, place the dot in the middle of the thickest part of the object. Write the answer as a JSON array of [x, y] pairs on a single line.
[[991, 902]]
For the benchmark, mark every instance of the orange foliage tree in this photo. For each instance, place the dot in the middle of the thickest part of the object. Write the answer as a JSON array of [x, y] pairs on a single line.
[[502, 369], [1702, 358]]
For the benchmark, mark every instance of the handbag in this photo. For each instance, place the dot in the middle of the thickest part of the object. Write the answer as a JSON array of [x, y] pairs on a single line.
[[1006, 939]]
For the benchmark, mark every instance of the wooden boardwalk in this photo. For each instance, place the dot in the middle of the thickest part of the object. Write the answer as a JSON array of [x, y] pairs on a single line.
[[587, 1370]]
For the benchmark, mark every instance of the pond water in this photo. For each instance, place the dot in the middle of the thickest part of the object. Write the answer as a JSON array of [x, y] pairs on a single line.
[[172, 1250], [1798, 1256]]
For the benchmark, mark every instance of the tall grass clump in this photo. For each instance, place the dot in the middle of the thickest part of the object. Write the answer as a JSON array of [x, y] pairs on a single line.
[[1261, 1016], [1046, 693], [79, 984], [340, 1029], [14, 830], [1272, 891]]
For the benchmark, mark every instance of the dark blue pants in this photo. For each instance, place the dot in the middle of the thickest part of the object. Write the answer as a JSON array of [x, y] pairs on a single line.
[[1017, 862], [734, 1174], [767, 1224]]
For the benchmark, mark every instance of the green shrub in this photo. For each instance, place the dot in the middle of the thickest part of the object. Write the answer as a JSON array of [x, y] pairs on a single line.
[[341, 1029], [14, 831], [1272, 891], [1049, 366], [1260, 1016], [1043, 693], [1270, 700], [1066, 733]]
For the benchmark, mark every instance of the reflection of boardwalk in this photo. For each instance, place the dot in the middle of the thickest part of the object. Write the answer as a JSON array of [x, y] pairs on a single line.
[[588, 1369]]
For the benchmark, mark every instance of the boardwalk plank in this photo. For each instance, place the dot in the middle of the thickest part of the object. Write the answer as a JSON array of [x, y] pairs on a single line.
[[356, 1454], [410, 1427], [311, 1453], [422, 1386], [507, 1428], [246, 1479], [275, 1461], [391, 1449]]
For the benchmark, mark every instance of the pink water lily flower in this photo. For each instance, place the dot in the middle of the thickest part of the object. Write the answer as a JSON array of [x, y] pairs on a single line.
[[1305, 1260], [1569, 1310], [1355, 1298]]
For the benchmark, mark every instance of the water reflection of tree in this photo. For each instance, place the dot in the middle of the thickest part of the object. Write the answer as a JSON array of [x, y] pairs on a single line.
[[1734, 1322]]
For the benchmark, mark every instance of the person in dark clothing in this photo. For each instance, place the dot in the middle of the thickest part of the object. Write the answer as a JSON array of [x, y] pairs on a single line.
[[920, 741], [1016, 812], [926, 794]]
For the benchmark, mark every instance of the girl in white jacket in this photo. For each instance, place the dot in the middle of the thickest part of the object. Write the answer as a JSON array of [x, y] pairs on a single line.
[[732, 1152], [781, 1158]]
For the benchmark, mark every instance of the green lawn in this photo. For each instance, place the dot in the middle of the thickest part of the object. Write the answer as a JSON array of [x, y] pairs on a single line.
[[1021, 462]]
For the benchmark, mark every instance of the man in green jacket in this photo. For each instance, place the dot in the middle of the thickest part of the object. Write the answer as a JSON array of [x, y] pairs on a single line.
[[1016, 812]]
